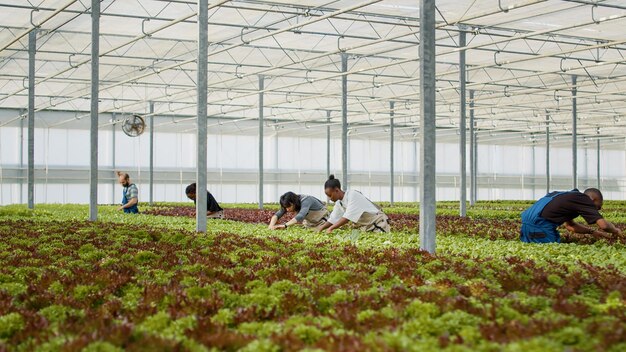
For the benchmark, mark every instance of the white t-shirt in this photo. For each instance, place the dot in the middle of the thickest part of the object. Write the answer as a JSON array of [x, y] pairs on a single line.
[[351, 207]]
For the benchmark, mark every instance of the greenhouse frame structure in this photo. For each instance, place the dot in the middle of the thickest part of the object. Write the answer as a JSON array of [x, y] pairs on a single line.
[[534, 72]]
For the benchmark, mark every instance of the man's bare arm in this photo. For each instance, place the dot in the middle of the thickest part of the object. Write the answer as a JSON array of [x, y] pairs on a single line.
[[608, 227], [573, 226], [337, 225], [323, 226], [604, 225]]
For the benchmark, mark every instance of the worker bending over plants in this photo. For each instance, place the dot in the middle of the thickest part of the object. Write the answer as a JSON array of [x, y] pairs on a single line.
[[311, 212], [213, 209], [353, 206], [130, 194], [540, 221]]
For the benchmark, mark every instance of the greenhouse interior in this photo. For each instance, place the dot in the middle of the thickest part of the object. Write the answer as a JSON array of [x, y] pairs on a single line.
[[455, 131]]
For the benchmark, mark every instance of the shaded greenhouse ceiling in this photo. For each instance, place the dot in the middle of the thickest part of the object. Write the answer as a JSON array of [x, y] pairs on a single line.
[[521, 56]]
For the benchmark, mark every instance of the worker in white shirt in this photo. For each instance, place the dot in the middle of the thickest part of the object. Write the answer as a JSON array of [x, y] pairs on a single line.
[[353, 206]]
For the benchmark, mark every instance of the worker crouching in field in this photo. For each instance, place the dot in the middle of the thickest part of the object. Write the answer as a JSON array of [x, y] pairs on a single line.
[[353, 206], [540, 221], [130, 194], [311, 212], [213, 209]]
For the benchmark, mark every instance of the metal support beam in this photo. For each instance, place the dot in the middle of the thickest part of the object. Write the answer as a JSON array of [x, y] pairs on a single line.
[[113, 161], [574, 136], [93, 129], [476, 167], [472, 151], [547, 154], [21, 151], [344, 120], [151, 172], [598, 162], [261, 104], [32, 50], [533, 168], [391, 158], [462, 126], [276, 163], [328, 143], [203, 71], [415, 168], [428, 129], [585, 175]]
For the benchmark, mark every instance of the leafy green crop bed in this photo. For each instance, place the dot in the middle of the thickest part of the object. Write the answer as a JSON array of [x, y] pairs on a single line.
[[150, 283], [79, 285], [448, 224]]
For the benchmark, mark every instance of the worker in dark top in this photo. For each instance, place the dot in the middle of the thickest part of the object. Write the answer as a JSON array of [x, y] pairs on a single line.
[[540, 221], [213, 210]]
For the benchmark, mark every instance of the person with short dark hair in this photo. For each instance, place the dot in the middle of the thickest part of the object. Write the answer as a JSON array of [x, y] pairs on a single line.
[[353, 206], [311, 212], [540, 221], [213, 209], [130, 194]]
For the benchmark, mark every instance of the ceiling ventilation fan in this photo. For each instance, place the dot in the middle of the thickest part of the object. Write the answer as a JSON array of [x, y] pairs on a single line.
[[134, 126]]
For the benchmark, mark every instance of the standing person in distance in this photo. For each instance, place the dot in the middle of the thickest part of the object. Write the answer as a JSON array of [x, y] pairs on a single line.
[[213, 209], [353, 206], [130, 194], [540, 221], [311, 212]]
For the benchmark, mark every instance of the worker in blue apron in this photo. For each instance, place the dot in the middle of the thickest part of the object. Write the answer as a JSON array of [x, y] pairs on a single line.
[[130, 194], [541, 220]]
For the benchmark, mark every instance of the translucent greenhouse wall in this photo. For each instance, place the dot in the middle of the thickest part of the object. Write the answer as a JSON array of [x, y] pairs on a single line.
[[291, 163]]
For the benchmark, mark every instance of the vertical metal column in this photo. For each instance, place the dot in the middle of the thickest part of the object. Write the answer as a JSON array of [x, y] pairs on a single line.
[[415, 169], [547, 154], [476, 166], [203, 72], [598, 162], [151, 153], [428, 126], [21, 151], [276, 164], [462, 126], [261, 88], [113, 161], [574, 135], [344, 120], [391, 143], [472, 151], [93, 130], [533, 167], [327, 143], [32, 50]]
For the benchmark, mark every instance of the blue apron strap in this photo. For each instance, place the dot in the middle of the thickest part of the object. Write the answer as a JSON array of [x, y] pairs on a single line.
[[134, 209], [536, 229]]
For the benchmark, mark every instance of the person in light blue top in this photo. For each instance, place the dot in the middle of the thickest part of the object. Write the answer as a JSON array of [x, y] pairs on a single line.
[[130, 194]]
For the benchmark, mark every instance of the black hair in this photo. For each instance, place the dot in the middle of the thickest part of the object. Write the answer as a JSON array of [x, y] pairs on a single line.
[[191, 189], [289, 199], [332, 182], [594, 192]]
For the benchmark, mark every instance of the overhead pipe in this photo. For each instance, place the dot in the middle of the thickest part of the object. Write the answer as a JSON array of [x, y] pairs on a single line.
[[38, 25]]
